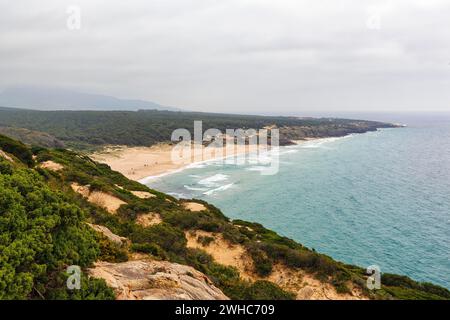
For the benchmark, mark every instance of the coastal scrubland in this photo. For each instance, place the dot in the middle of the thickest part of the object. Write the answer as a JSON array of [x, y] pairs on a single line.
[[46, 225]]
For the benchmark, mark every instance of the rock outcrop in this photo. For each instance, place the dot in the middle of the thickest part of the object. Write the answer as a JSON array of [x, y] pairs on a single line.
[[156, 280], [4, 155], [122, 241]]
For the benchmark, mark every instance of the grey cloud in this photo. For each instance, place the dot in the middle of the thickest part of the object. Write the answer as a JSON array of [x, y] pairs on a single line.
[[236, 56]]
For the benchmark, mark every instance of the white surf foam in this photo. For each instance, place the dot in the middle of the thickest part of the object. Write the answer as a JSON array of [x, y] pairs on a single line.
[[178, 195], [319, 143], [212, 181], [194, 188], [256, 168], [221, 188], [289, 151]]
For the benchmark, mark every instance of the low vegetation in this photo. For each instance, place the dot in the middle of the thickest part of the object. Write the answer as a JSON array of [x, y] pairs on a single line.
[[17, 149], [41, 233], [43, 229], [32, 137]]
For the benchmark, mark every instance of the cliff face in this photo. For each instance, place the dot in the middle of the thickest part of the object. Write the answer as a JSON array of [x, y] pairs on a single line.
[[156, 280]]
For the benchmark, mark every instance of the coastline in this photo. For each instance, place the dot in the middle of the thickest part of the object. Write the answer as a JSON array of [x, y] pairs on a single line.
[[143, 164]]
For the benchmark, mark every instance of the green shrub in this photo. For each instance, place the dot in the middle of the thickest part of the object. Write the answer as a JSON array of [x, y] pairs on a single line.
[[167, 237], [262, 263], [205, 240], [394, 280], [16, 148], [265, 290], [112, 252], [233, 234], [131, 211], [199, 259], [98, 185], [40, 232], [149, 248], [410, 294], [209, 226], [5, 167], [91, 289], [182, 219]]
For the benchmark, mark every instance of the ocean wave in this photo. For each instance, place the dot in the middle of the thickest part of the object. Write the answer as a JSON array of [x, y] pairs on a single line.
[[212, 181], [261, 159], [318, 143], [149, 179], [257, 168], [221, 188], [194, 188], [196, 165], [178, 195], [289, 151]]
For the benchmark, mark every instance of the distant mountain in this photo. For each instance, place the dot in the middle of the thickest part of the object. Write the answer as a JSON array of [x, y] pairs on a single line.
[[49, 98]]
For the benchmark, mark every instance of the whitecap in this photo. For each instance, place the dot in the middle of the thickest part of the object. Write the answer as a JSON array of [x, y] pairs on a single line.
[[212, 181], [197, 165], [318, 143], [194, 188], [230, 161], [289, 151], [256, 168], [221, 188], [177, 195]]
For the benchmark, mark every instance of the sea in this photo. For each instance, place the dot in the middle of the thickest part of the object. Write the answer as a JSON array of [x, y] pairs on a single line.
[[379, 198]]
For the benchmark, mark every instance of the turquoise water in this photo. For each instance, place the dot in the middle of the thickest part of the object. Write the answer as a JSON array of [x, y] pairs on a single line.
[[377, 198]]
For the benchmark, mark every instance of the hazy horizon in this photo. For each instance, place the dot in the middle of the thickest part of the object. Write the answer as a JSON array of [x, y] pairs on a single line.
[[252, 57]]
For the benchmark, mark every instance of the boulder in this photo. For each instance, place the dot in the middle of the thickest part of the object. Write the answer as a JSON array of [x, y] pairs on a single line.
[[156, 280]]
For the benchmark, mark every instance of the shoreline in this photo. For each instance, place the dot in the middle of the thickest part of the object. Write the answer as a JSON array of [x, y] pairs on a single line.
[[144, 164]]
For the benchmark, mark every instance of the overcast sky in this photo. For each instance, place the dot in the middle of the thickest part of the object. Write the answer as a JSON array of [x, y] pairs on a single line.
[[236, 55]]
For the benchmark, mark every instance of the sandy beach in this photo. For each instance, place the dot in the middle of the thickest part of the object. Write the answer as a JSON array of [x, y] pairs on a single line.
[[137, 163]]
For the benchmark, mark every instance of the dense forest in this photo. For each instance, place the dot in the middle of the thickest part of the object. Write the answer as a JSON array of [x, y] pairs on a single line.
[[43, 229], [90, 129]]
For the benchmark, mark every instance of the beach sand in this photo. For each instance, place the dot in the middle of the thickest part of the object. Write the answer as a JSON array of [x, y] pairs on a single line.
[[137, 163]]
